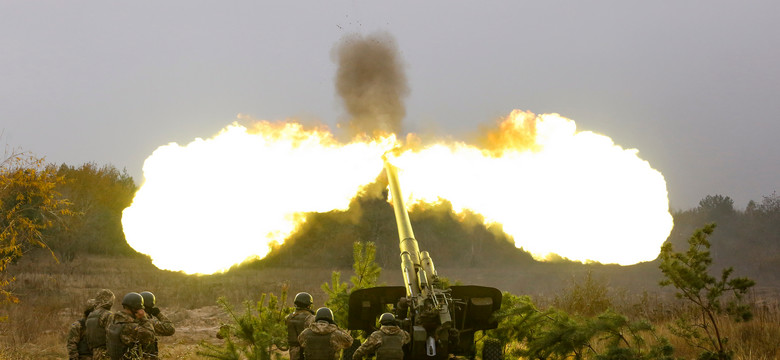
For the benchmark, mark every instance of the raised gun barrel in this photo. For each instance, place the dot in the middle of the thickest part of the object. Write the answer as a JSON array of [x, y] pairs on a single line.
[[405, 233], [410, 250]]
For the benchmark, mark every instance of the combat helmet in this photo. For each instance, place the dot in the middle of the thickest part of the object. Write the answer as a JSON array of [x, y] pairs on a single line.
[[133, 301], [303, 300], [387, 319], [324, 314], [149, 299], [104, 299], [89, 307]]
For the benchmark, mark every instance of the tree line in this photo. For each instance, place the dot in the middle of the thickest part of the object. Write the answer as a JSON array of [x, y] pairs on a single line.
[[63, 209], [748, 239], [77, 210]]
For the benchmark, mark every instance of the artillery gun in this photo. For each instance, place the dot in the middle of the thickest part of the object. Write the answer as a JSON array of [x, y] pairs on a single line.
[[441, 322]]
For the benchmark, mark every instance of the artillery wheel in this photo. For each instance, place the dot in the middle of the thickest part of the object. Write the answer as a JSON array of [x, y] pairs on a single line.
[[492, 350]]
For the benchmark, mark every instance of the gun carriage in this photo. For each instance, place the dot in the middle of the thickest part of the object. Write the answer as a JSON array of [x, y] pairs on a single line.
[[441, 322]]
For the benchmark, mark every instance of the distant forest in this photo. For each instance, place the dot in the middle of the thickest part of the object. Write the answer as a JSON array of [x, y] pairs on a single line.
[[748, 240]]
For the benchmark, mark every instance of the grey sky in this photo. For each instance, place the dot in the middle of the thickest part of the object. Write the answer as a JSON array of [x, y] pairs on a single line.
[[693, 85]]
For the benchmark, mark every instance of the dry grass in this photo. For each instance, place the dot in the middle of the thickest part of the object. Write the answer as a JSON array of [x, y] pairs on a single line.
[[52, 296], [758, 339]]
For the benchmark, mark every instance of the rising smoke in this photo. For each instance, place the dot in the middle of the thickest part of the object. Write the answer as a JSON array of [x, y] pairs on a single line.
[[371, 83]]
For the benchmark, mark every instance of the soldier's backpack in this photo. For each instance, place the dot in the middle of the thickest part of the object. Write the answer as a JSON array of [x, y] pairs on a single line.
[[114, 346], [96, 334], [295, 325], [391, 348], [318, 347]]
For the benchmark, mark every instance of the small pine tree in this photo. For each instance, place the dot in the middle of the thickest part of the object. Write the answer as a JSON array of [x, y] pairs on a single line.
[[367, 273], [253, 335], [530, 333], [688, 273], [366, 269], [338, 298]]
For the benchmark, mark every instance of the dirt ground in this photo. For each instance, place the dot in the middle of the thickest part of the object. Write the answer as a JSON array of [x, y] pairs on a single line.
[[192, 327]]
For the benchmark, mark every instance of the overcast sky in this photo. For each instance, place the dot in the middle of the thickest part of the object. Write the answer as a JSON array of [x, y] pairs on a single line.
[[694, 85]]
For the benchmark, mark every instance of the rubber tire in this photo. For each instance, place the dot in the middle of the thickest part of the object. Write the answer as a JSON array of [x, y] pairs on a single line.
[[492, 350]]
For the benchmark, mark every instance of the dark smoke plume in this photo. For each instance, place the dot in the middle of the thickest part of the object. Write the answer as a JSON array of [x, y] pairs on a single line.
[[372, 83]]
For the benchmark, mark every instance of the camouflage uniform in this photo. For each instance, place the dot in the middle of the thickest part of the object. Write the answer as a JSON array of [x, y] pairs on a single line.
[[374, 343], [131, 333], [78, 348], [102, 313], [162, 327], [303, 318], [316, 349]]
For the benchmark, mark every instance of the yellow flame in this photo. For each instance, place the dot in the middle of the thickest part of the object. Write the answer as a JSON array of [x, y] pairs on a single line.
[[575, 194], [214, 203]]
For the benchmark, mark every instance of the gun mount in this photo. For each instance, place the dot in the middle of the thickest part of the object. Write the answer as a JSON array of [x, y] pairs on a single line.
[[440, 321]]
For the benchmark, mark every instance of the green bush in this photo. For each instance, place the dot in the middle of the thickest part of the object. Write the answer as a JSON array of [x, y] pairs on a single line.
[[253, 335]]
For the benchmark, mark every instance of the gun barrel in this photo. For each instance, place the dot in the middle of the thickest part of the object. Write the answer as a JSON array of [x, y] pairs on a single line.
[[432, 312], [405, 234]]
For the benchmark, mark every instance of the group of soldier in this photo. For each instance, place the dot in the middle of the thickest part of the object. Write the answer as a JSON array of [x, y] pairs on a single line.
[[315, 335], [130, 333]]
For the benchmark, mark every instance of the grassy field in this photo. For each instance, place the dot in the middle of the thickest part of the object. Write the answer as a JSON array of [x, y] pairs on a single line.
[[52, 296]]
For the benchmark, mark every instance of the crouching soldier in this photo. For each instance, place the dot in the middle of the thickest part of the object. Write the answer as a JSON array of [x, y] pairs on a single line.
[[160, 323], [78, 348], [298, 321], [387, 342], [130, 331], [323, 340]]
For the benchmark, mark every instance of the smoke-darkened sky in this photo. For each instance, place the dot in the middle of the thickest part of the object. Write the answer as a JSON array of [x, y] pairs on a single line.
[[693, 85]]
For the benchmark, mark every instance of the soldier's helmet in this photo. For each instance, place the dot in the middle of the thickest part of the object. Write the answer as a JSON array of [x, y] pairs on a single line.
[[89, 307], [105, 298], [387, 319], [324, 314], [149, 299], [303, 300], [133, 301]]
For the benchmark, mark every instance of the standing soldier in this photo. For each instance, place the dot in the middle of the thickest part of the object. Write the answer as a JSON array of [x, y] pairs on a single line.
[[387, 342], [97, 322], [78, 348], [162, 326], [298, 321], [323, 340], [130, 331]]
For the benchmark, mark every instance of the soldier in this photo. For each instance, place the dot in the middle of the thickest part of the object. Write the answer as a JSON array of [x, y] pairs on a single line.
[[387, 342], [323, 340], [97, 322], [298, 321], [130, 330], [162, 326], [78, 348]]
